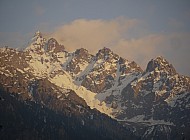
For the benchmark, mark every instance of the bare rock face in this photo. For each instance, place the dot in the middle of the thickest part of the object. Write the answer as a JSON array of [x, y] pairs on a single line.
[[107, 69], [54, 46], [161, 64], [80, 59]]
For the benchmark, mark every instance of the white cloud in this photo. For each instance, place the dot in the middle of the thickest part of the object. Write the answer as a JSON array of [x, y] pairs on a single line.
[[93, 34]]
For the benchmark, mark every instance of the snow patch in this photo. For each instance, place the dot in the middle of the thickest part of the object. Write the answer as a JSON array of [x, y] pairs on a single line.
[[140, 119]]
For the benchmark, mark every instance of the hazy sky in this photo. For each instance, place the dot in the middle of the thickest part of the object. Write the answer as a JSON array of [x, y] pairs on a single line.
[[138, 30]]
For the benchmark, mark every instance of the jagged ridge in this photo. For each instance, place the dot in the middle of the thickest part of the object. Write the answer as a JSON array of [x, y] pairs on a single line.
[[106, 81]]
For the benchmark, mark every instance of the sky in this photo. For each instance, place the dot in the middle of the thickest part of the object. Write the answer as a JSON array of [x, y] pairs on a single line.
[[137, 30]]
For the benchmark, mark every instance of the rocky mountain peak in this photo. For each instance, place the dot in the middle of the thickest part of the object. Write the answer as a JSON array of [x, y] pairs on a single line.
[[38, 34], [81, 51], [161, 60], [54, 46], [104, 53], [161, 64], [105, 50], [38, 38], [37, 44], [52, 43]]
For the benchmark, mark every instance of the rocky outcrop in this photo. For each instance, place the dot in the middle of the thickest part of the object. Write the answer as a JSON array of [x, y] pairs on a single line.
[[54, 47]]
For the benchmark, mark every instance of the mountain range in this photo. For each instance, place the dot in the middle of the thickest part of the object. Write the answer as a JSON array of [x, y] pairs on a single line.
[[47, 92]]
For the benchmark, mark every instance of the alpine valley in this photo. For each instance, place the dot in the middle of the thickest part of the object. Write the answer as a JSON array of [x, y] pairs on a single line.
[[47, 92]]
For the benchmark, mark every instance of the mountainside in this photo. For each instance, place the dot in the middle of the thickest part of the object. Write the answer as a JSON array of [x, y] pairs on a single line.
[[47, 79]]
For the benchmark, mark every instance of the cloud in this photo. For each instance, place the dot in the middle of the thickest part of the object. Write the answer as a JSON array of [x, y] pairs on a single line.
[[141, 49], [128, 38], [92, 34]]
